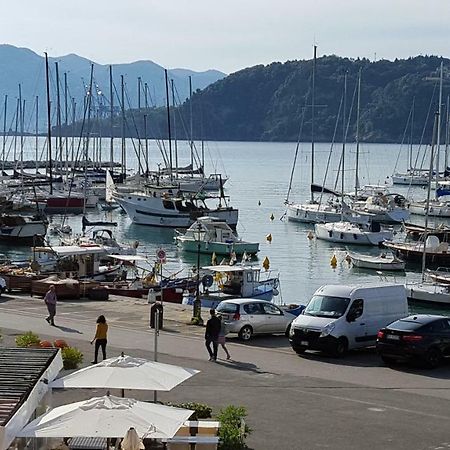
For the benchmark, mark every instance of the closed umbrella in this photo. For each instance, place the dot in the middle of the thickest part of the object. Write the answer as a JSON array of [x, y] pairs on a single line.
[[108, 417], [126, 372], [131, 441]]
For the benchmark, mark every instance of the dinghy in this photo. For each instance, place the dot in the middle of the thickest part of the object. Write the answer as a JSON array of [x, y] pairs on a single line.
[[385, 261]]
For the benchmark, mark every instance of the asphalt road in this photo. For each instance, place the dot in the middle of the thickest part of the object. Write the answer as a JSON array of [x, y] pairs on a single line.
[[293, 402]]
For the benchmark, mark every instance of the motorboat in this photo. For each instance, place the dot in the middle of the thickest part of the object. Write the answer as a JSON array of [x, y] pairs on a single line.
[[237, 281], [436, 252], [22, 230], [212, 235], [169, 208], [384, 261], [431, 292], [352, 233]]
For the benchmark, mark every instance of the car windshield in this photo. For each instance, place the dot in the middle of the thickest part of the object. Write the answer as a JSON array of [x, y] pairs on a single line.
[[227, 308], [326, 306]]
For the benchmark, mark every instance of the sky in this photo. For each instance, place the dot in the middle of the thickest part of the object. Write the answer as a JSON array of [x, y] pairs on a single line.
[[227, 35]]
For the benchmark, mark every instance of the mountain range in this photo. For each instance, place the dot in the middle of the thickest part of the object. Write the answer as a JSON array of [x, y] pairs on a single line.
[[25, 67]]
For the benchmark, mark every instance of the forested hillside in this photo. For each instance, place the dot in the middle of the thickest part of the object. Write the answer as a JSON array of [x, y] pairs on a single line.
[[269, 103]]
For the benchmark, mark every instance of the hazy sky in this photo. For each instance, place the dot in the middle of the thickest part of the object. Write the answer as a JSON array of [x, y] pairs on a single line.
[[227, 35]]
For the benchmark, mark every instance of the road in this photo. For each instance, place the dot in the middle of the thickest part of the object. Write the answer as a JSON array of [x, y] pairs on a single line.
[[293, 402]]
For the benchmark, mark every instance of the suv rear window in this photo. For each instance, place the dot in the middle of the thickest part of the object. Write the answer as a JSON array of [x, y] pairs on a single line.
[[405, 325], [227, 308]]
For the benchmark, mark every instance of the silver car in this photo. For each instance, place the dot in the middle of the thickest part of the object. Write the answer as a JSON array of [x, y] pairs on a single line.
[[247, 317]]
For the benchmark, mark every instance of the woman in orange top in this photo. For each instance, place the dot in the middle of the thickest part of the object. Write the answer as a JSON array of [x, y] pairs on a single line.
[[100, 337]]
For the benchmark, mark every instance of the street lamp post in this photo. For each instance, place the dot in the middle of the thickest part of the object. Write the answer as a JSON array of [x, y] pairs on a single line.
[[197, 309]]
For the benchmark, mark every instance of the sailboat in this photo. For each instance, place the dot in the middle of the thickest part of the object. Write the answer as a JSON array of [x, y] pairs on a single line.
[[109, 204], [345, 232]]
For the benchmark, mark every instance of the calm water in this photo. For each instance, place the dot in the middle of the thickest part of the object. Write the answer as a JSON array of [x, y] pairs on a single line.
[[259, 173]]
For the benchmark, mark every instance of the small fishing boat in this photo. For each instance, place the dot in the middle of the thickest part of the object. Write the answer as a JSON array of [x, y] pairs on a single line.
[[385, 261], [212, 235], [428, 292], [352, 233]]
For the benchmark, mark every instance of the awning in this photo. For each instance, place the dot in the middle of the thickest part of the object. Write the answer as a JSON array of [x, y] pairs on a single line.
[[130, 258]]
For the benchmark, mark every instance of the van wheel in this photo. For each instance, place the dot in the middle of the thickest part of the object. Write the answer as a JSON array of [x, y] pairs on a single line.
[[288, 329], [340, 347], [432, 358], [246, 333], [299, 350]]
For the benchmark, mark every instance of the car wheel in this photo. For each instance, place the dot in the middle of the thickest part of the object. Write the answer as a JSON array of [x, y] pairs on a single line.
[[299, 350], [388, 360], [246, 333], [340, 347], [288, 329], [432, 358]]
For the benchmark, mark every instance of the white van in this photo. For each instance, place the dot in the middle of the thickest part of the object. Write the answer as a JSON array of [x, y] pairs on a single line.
[[340, 318]]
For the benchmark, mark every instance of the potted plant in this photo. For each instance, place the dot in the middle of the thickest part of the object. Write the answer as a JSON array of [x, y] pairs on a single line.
[[71, 357], [28, 339]]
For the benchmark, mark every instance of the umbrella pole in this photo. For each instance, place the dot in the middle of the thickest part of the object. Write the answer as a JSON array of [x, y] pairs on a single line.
[[155, 350]]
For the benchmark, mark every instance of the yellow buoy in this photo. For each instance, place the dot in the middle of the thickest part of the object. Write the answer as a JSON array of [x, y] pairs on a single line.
[[266, 263], [310, 235], [272, 217], [333, 261], [269, 238]]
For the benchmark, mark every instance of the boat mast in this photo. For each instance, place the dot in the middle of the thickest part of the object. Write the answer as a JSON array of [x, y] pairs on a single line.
[[313, 100], [174, 128], [36, 130], [438, 131], [66, 122], [191, 124], [168, 123], [49, 125], [447, 132], [358, 111], [123, 127], [430, 177], [5, 111], [344, 133], [58, 116], [111, 102], [411, 135]]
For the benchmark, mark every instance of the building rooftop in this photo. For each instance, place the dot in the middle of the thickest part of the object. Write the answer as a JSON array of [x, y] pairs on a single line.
[[20, 370]]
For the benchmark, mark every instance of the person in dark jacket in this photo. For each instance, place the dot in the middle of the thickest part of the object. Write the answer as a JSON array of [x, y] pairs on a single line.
[[212, 335]]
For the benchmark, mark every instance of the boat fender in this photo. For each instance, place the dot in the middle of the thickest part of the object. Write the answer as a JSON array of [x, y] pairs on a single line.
[[259, 202], [310, 235], [276, 283], [266, 263]]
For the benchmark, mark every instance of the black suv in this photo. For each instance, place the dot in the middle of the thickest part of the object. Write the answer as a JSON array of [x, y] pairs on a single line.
[[422, 337]]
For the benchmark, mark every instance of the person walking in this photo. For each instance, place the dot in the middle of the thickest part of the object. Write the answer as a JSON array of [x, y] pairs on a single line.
[[212, 334], [222, 337], [100, 338], [50, 300]]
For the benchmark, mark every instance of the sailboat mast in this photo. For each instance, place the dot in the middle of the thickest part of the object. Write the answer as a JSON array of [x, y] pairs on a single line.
[[447, 132], [191, 123], [36, 130], [344, 133], [58, 115], [5, 112], [411, 139], [111, 118], [174, 128], [66, 121], [168, 122], [358, 113], [438, 131], [123, 125], [430, 176], [147, 170], [49, 125], [313, 102]]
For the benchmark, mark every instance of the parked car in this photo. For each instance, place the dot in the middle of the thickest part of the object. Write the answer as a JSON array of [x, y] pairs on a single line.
[[248, 316], [340, 318], [422, 337]]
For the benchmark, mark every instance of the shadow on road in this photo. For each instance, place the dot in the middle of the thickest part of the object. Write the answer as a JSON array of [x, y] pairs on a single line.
[[242, 366], [264, 341], [68, 330]]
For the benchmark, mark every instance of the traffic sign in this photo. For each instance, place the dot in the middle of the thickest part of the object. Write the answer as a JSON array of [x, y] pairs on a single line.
[[161, 254]]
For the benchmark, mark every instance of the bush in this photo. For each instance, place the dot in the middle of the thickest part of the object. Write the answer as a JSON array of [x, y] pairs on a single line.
[[233, 429], [72, 357], [201, 411], [28, 339]]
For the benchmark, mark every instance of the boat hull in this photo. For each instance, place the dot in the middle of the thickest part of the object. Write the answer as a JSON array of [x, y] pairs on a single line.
[[28, 233], [430, 293], [219, 248], [350, 235], [420, 209]]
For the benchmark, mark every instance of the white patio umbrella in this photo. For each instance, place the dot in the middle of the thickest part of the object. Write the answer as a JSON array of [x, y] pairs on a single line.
[[108, 417], [126, 372], [131, 441]]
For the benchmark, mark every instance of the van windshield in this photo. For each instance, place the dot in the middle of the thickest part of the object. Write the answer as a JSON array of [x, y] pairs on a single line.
[[325, 306]]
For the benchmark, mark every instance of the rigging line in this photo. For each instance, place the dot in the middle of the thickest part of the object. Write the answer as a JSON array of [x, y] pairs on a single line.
[[333, 142], [403, 138], [297, 147]]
